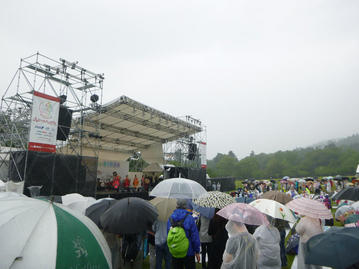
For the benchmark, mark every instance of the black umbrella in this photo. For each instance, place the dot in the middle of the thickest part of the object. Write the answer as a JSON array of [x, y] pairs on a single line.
[[95, 211], [350, 193], [337, 247], [309, 179], [129, 216]]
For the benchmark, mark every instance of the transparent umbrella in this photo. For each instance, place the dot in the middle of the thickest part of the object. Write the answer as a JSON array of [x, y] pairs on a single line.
[[179, 188]]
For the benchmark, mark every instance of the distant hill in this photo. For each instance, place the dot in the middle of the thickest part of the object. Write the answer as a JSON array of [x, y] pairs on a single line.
[[339, 156], [347, 142]]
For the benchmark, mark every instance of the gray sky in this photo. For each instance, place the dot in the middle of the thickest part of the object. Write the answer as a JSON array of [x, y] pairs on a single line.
[[262, 75]]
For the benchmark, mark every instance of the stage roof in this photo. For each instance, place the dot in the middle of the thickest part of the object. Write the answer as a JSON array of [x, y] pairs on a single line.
[[126, 125]]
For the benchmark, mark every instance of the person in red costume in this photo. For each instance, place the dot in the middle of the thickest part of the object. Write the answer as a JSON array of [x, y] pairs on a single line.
[[115, 180], [126, 183]]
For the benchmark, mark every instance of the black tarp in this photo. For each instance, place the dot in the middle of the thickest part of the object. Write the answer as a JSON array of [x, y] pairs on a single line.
[[196, 174], [58, 174]]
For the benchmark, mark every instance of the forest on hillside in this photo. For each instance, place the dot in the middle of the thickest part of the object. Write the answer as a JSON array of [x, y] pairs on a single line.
[[339, 157]]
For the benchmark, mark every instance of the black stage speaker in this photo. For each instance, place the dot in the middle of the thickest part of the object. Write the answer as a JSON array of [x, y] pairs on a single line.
[[192, 151], [64, 123]]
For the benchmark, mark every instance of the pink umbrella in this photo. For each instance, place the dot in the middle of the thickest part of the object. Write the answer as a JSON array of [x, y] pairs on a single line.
[[243, 213], [310, 208]]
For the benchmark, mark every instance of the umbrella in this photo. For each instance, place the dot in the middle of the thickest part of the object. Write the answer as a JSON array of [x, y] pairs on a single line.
[[214, 199], [10, 194], [310, 208], [71, 198], [309, 179], [338, 177], [181, 188], [80, 206], [356, 206], [351, 193], [129, 216], [274, 209], [207, 212], [353, 218], [42, 234], [278, 196], [337, 247], [95, 211], [286, 178], [243, 213], [164, 206]]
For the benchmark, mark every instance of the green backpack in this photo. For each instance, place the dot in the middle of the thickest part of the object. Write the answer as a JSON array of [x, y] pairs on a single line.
[[177, 240]]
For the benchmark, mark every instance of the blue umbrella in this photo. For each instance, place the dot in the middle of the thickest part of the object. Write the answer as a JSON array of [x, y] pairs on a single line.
[[207, 212], [337, 247]]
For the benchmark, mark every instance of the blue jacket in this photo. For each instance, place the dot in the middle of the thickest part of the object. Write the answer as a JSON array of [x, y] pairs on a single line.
[[190, 228]]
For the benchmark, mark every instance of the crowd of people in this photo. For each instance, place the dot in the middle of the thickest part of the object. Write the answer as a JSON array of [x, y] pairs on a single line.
[[220, 243]]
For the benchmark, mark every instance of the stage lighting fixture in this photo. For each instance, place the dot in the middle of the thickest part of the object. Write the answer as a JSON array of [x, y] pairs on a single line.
[[94, 98], [62, 99]]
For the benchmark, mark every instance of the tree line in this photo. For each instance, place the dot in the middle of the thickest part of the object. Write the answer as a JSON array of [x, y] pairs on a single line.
[[312, 161]]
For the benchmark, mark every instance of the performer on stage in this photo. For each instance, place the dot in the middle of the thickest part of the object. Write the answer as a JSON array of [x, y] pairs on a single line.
[[126, 183], [115, 180], [135, 182]]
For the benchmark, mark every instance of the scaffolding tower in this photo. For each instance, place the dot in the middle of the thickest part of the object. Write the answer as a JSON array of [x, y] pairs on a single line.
[[79, 90], [188, 151]]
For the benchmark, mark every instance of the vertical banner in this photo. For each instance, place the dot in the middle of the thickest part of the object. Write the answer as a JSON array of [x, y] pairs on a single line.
[[44, 121], [203, 152]]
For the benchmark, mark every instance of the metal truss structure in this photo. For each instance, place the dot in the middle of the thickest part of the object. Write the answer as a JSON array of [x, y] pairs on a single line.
[[180, 152], [79, 90]]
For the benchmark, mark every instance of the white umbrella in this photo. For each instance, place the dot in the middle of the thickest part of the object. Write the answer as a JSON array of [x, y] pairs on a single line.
[[81, 206], [9, 194], [274, 209], [179, 188], [356, 206], [72, 197], [41, 234], [2, 186]]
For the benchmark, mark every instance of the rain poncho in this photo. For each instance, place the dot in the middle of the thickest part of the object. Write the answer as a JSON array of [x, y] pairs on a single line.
[[306, 228], [268, 239], [241, 249]]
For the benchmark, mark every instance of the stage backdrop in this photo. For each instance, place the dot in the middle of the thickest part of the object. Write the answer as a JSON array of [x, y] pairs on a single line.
[[107, 167]]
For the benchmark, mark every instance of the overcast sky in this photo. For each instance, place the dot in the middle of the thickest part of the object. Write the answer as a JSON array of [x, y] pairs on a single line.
[[262, 75]]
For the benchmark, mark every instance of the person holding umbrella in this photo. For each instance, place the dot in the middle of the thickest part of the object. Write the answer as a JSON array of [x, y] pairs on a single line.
[[268, 242], [241, 250], [309, 225], [188, 224]]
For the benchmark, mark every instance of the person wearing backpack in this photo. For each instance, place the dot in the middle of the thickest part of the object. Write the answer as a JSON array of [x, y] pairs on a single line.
[[183, 237]]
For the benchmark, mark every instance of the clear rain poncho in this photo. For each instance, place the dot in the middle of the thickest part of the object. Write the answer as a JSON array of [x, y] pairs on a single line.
[[268, 239], [241, 249]]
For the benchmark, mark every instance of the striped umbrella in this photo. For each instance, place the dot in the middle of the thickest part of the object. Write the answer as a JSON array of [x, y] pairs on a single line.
[[40, 234], [214, 199], [311, 208]]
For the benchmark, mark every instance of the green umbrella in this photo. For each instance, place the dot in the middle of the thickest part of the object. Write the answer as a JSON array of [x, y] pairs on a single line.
[[41, 234]]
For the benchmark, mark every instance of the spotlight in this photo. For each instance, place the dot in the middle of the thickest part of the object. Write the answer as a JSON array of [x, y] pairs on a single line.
[[62, 99], [94, 98]]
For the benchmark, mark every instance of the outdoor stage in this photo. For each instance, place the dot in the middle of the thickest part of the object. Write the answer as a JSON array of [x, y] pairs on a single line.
[[93, 139]]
